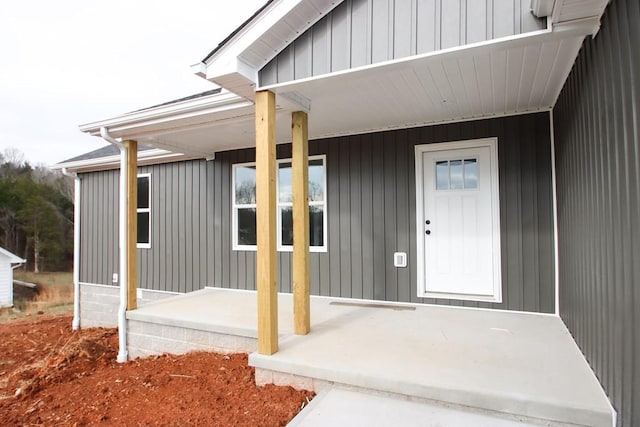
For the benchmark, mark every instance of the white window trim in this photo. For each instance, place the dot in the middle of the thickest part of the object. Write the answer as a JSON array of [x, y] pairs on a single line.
[[234, 210], [280, 246], [147, 210]]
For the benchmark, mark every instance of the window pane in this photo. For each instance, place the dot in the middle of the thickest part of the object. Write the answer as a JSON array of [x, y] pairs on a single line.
[[246, 226], [316, 226], [470, 173], [455, 174], [316, 180], [442, 175], [286, 221], [245, 185], [143, 192], [143, 227], [285, 193]]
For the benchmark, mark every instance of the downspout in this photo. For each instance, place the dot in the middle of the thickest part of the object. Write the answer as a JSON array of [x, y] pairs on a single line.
[[76, 247], [122, 239]]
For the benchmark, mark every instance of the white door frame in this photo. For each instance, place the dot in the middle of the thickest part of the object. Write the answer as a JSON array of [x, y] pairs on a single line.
[[492, 143]]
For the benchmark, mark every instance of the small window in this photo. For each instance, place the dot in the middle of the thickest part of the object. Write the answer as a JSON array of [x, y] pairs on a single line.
[[144, 211], [244, 205], [457, 174]]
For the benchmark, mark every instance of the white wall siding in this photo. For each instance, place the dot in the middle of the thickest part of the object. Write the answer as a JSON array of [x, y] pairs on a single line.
[[6, 283]]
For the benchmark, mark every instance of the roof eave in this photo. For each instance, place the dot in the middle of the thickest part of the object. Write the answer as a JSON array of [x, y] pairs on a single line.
[[190, 107], [145, 158], [13, 259]]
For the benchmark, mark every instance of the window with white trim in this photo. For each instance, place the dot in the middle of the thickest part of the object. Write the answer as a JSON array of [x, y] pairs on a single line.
[[144, 210], [244, 205]]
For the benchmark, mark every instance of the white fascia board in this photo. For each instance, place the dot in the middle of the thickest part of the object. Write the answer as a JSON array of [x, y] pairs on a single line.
[[126, 124], [231, 65], [146, 157], [252, 32], [588, 9], [246, 52], [242, 81], [542, 8]]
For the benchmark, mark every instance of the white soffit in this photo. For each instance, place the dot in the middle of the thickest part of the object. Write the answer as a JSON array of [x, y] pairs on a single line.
[[517, 75]]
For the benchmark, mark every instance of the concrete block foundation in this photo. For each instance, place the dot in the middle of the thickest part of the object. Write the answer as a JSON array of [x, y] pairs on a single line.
[[146, 339]]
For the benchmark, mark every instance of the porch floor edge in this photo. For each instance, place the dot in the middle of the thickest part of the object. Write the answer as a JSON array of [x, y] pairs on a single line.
[[303, 376]]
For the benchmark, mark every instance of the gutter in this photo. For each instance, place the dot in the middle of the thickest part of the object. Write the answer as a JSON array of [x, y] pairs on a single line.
[[122, 239], [76, 247]]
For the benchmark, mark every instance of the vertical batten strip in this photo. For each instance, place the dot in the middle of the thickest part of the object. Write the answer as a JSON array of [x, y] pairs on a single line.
[[132, 223], [266, 223], [300, 165]]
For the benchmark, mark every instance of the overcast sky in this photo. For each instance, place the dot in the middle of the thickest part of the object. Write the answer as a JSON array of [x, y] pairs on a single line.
[[70, 62]]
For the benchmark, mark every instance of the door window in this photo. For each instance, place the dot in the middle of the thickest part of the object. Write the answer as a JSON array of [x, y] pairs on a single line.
[[458, 174]]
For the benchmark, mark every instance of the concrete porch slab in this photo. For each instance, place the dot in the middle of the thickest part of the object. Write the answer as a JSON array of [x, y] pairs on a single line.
[[525, 365]]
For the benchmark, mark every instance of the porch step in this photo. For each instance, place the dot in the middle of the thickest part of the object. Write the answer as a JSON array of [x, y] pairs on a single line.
[[341, 407]]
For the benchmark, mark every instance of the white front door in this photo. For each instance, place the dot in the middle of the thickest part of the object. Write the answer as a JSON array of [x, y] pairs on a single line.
[[458, 220]]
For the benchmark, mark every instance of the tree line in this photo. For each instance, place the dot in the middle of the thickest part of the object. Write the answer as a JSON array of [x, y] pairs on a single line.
[[36, 213]]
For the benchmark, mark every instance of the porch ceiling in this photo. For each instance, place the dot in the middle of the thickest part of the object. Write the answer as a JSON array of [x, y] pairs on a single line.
[[514, 75], [517, 75]]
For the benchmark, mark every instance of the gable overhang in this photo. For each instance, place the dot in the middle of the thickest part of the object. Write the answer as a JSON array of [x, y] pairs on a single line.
[[235, 64]]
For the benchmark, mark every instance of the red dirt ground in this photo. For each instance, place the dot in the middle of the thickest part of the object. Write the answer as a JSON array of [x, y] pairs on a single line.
[[51, 375]]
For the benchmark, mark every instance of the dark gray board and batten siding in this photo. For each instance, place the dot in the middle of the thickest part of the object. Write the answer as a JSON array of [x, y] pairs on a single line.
[[597, 130], [363, 32], [371, 214]]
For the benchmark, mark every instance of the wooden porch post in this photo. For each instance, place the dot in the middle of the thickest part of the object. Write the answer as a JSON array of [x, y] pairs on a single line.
[[132, 223], [266, 222], [300, 178]]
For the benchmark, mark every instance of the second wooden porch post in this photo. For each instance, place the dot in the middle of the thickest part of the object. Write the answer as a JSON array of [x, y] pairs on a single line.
[[300, 178], [267, 274]]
